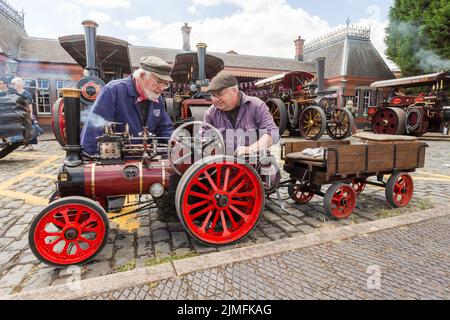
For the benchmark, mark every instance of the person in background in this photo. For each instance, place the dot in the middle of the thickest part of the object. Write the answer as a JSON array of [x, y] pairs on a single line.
[[19, 86], [3, 87], [350, 107]]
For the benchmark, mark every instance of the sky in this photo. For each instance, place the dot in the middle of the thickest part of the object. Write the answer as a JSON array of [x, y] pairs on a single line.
[[256, 27]]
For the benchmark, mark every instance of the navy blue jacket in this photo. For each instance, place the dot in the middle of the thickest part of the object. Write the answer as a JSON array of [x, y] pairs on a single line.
[[117, 103]]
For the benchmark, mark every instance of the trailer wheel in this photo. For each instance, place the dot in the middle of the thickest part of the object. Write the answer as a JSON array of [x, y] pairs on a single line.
[[358, 185], [300, 195], [399, 189], [219, 201], [312, 123], [340, 200], [70, 231]]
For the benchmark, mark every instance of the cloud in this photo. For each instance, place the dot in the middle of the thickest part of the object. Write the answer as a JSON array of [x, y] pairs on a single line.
[[270, 30], [133, 39], [259, 27], [193, 10], [107, 4], [72, 13], [144, 23], [99, 17]]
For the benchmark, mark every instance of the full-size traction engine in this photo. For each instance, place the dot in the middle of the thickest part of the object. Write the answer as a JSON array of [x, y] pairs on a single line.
[[217, 198]]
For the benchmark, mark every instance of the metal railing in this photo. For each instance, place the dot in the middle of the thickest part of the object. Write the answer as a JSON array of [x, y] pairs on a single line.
[[337, 36], [11, 13]]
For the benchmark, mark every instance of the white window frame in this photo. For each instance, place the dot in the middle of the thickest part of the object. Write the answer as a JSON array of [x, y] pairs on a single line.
[[41, 100], [65, 84], [366, 101]]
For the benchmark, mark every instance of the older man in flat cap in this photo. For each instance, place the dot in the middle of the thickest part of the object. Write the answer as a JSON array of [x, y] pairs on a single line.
[[135, 101], [244, 121]]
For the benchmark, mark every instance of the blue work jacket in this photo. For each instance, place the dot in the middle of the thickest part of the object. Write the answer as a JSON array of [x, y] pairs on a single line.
[[117, 103]]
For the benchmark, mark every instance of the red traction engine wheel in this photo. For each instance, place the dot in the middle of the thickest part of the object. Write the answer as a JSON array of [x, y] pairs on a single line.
[[399, 189], [219, 201], [340, 200], [70, 231]]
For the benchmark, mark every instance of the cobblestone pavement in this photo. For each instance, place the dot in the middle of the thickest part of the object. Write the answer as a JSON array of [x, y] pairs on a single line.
[[26, 182], [409, 262]]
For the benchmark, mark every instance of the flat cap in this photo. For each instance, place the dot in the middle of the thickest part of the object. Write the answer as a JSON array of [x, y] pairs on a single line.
[[222, 81], [157, 66]]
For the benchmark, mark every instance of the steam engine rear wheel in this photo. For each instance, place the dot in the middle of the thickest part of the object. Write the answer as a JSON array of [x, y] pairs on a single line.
[[219, 201], [293, 112], [70, 231], [341, 124], [389, 121], [312, 123], [278, 111]]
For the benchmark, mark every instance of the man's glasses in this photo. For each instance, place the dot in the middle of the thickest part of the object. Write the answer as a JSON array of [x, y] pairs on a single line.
[[219, 95], [160, 83]]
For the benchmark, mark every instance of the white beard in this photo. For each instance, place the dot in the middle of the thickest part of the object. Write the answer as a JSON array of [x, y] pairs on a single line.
[[151, 95]]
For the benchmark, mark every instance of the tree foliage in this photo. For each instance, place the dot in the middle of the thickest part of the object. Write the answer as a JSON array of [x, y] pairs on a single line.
[[418, 36]]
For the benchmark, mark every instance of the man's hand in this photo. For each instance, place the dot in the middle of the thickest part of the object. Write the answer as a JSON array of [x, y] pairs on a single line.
[[242, 151]]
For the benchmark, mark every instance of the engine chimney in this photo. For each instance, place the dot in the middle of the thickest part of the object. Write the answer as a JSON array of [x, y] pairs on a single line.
[[320, 74], [299, 44], [201, 55], [90, 30], [186, 31], [72, 123]]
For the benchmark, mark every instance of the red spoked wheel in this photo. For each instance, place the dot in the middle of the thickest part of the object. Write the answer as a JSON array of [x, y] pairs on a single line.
[[70, 231], [58, 122], [299, 194], [219, 201], [340, 200], [358, 186], [399, 189]]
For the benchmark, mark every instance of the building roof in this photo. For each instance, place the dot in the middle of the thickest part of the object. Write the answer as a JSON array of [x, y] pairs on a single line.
[[348, 52], [229, 59], [413, 81], [10, 33], [49, 50], [43, 50]]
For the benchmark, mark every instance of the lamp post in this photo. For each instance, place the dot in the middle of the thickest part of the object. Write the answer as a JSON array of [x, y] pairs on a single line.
[[11, 66], [344, 87]]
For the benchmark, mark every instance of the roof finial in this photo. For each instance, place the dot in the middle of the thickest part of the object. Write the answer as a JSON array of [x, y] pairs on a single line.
[[348, 23]]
